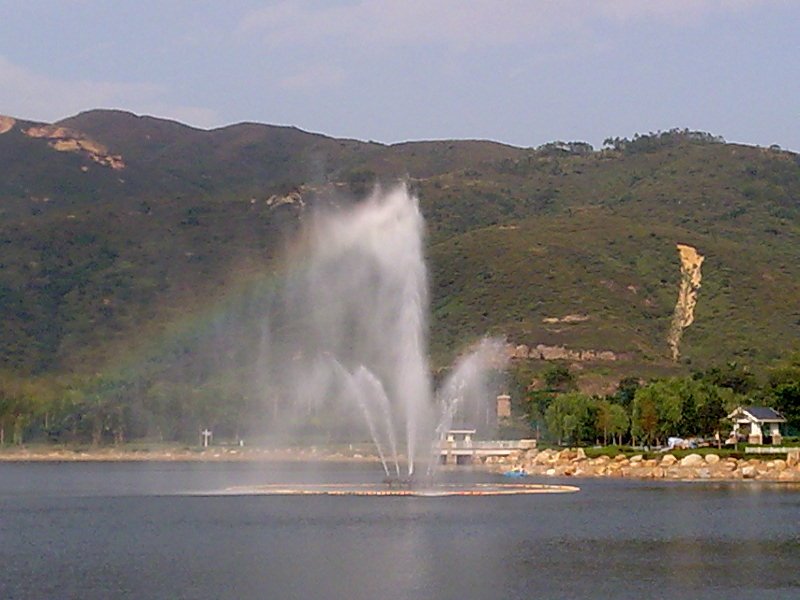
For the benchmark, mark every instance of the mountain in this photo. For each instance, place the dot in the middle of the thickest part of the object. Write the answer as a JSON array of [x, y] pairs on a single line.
[[125, 235]]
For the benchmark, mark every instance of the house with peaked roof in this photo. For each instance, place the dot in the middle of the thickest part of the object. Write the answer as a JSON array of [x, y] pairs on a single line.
[[757, 424]]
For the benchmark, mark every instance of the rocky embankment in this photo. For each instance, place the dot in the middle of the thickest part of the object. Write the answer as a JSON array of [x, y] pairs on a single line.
[[575, 463]]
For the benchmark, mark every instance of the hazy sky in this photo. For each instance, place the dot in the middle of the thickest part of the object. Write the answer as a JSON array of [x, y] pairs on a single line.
[[518, 71]]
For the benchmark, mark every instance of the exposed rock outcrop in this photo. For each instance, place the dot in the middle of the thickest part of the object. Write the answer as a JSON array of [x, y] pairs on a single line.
[[691, 261], [543, 352], [64, 139], [566, 319], [6, 123], [292, 198]]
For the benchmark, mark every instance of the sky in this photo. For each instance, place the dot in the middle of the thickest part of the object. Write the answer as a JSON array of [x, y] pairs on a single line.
[[522, 72]]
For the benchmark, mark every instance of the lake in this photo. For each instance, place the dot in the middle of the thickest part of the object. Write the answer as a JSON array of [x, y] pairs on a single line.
[[146, 530]]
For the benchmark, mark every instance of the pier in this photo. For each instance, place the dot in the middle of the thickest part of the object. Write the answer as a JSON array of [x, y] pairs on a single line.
[[458, 448]]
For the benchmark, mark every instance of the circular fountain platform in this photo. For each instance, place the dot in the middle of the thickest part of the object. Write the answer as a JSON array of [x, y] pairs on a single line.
[[480, 489]]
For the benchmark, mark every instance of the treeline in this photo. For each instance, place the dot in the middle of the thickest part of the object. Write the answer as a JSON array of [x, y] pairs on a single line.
[[640, 142], [650, 142], [102, 409], [649, 412], [107, 409]]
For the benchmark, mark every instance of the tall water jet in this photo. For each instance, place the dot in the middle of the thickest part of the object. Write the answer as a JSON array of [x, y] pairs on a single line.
[[348, 337]]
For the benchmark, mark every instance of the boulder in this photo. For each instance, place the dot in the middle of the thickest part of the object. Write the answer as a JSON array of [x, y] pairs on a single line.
[[636, 458], [793, 458], [749, 472], [712, 459], [674, 473], [567, 454], [522, 351], [566, 470], [580, 454], [692, 460], [668, 460]]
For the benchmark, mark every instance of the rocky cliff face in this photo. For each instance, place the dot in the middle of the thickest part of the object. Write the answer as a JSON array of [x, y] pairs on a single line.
[[64, 139], [544, 352], [691, 261]]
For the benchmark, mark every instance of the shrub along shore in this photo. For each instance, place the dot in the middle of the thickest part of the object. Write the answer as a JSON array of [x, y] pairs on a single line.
[[710, 466]]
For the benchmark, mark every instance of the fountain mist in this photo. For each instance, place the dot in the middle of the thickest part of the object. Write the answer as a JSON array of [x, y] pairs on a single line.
[[347, 343]]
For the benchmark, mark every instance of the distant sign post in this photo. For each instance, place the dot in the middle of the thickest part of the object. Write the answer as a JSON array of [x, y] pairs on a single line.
[[207, 437]]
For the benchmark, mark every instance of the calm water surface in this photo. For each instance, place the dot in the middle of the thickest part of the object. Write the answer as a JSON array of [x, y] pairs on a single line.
[[137, 530]]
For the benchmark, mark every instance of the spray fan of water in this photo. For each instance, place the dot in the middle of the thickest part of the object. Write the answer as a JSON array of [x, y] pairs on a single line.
[[345, 343]]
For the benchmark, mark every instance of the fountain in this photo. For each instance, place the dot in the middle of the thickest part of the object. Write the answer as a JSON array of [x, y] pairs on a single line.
[[346, 345]]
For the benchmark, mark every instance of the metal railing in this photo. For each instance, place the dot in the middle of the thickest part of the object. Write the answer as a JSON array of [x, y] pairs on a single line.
[[485, 445], [770, 450]]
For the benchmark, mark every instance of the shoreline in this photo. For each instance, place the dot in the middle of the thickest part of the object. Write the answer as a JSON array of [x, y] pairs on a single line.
[[693, 467], [567, 463], [211, 454]]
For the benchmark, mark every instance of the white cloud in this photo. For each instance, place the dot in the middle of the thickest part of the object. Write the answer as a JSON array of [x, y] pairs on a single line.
[[397, 22], [29, 95], [465, 23]]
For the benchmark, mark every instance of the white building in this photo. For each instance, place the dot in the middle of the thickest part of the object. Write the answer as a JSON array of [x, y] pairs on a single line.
[[758, 424]]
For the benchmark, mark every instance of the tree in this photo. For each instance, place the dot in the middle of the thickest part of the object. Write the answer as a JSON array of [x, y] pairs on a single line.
[[677, 407], [611, 421], [538, 402], [559, 378], [626, 390], [571, 418], [22, 400], [604, 422], [783, 391], [733, 375], [102, 404], [657, 410], [644, 416], [619, 423], [711, 404]]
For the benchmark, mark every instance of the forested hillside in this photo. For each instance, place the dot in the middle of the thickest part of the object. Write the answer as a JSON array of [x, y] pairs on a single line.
[[138, 254]]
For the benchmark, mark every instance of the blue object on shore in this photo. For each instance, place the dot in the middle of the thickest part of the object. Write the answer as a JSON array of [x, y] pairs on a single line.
[[516, 473]]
